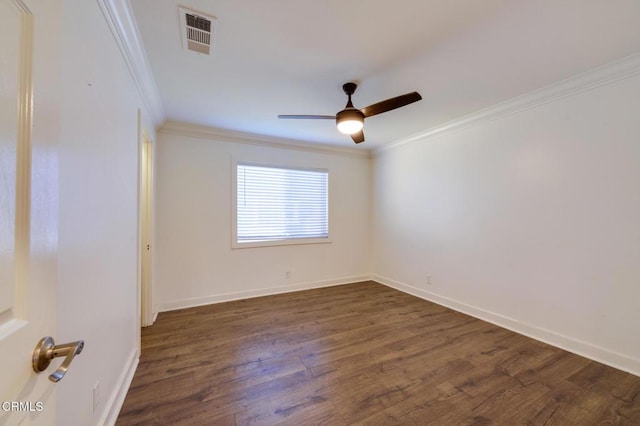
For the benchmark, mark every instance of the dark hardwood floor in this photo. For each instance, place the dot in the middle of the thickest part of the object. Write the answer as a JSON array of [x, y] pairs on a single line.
[[362, 354]]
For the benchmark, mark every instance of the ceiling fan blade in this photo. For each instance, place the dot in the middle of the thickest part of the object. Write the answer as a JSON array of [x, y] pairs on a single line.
[[391, 104], [312, 117], [358, 137]]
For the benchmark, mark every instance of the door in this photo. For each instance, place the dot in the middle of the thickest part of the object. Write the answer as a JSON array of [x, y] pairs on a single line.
[[28, 229], [146, 201]]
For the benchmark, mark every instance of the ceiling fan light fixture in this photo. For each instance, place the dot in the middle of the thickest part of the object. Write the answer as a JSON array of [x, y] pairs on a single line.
[[350, 121], [349, 127]]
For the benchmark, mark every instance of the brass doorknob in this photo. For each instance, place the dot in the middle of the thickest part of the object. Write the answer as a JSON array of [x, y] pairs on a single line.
[[46, 350]]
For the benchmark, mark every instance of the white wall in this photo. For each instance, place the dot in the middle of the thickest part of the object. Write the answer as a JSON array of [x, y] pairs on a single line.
[[98, 218], [531, 221], [194, 261]]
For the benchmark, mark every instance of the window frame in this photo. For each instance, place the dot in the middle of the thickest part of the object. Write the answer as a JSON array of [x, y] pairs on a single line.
[[274, 243]]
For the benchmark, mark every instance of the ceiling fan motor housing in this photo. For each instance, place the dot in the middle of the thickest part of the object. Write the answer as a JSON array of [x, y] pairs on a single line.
[[349, 114]]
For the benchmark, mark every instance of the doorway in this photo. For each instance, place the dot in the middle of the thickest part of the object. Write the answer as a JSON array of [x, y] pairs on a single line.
[[146, 227]]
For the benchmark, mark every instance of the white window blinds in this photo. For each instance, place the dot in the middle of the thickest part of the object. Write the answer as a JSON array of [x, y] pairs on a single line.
[[276, 203]]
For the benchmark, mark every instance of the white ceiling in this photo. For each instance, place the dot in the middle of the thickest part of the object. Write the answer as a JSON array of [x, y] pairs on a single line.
[[292, 57]]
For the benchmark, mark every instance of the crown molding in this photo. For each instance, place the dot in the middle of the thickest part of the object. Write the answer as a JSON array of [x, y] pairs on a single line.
[[600, 76], [223, 135], [122, 23]]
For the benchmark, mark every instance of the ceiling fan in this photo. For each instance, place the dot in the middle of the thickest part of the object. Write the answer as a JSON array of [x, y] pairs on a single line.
[[351, 120]]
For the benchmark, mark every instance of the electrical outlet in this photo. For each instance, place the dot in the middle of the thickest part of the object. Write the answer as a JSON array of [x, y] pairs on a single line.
[[287, 274], [429, 280], [96, 396]]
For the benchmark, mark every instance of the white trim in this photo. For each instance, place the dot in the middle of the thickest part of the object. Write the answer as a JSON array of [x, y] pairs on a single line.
[[222, 135], [606, 74], [248, 294], [585, 349], [122, 23], [116, 399], [22, 8]]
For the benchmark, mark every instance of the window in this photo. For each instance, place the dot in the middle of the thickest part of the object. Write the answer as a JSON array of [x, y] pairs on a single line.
[[278, 205]]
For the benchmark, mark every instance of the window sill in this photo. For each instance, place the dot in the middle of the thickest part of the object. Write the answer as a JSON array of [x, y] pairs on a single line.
[[275, 243]]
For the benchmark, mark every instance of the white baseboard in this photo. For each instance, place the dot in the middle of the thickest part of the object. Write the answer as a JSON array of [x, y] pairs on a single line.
[[116, 399], [228, 297], [587, 350]]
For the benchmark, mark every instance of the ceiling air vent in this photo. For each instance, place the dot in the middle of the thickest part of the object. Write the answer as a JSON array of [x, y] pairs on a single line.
[[198, 31]]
